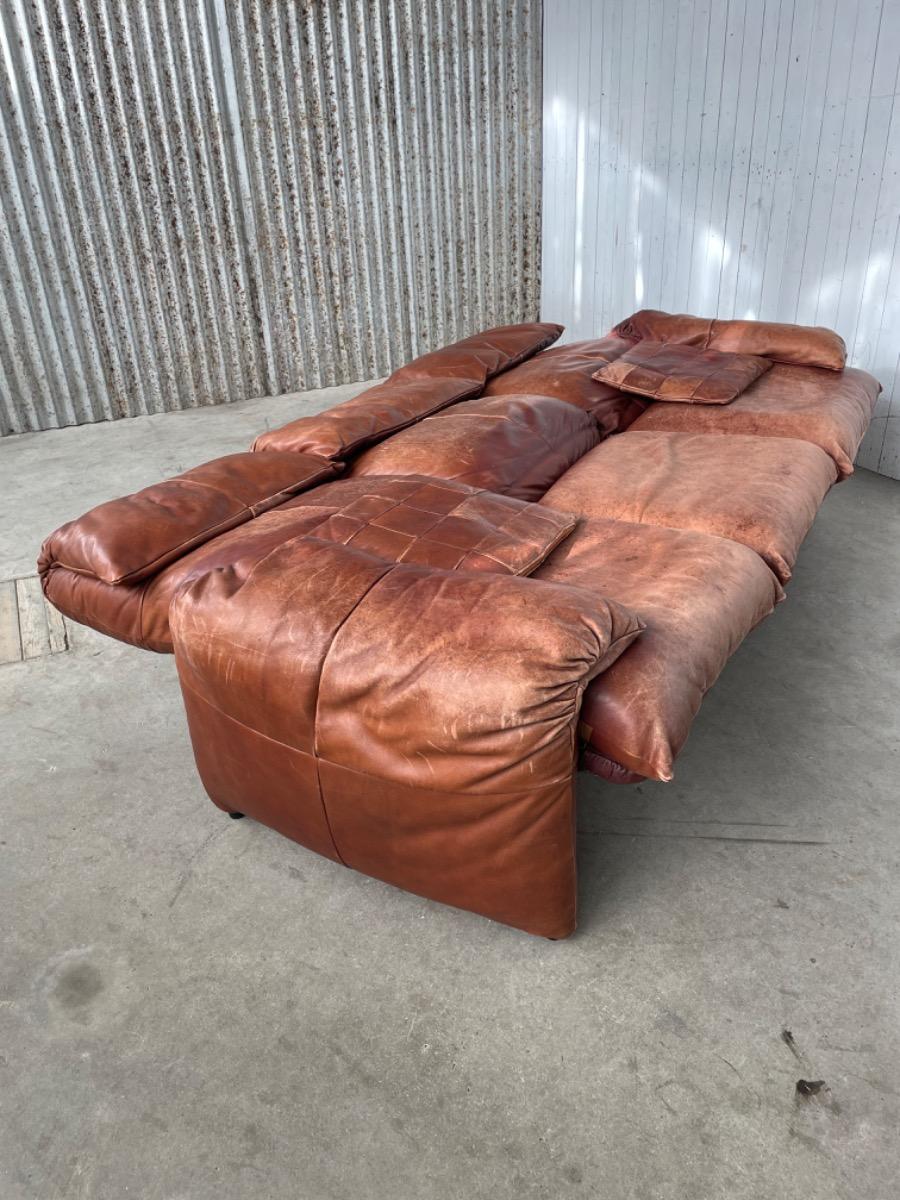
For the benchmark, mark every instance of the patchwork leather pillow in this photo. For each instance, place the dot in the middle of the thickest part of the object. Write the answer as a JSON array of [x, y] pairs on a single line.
[[127, 540], [684, 374], [416, 390], [433, 523], [516, 445]]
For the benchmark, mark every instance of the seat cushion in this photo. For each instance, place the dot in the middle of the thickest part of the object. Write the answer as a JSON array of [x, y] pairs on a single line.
[[515, 445], [763, 492], [801, 345], [830, 409], [567, 373], [414, 391], [683, 373], [698, 596]]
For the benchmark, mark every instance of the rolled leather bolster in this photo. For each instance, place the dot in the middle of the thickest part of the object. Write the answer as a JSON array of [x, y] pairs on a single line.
[[415, 724]]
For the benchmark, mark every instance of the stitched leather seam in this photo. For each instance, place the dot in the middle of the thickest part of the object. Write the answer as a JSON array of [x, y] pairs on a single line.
[[275, 742], [390, 567]]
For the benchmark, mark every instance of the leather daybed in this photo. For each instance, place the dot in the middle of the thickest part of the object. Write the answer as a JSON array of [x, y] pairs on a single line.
[[365, 665]]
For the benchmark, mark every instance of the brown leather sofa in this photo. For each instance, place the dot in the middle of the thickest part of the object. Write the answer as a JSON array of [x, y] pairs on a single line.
[[398, 625]]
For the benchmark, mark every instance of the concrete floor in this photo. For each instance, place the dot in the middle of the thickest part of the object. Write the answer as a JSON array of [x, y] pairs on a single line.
[[195, 1008]]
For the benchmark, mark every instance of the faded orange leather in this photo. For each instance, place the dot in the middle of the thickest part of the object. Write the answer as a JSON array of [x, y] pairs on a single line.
[[515, 445], [127, 540], [667, 371], [830, 409], [450, 774], [801, 345], [416, 390], [699, 597], [763, 492], [568, 373]]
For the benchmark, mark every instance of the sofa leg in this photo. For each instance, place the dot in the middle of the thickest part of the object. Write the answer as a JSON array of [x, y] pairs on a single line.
[[236, 816]]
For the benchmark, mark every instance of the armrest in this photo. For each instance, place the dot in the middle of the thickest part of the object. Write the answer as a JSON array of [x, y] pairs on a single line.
[[128, 540], [418, 725]]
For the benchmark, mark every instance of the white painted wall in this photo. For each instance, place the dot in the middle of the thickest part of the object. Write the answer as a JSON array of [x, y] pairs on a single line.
[[732, 159]]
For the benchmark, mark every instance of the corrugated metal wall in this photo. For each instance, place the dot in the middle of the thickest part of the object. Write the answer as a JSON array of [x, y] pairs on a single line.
[[204, 200], [733, 159]]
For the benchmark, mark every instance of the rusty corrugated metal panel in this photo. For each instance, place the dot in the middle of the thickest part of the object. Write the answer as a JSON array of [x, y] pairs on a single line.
[[204, 201]]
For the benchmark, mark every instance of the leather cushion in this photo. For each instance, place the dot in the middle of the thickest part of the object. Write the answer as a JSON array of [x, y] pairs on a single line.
[[438, 524], [515, 445], [801, 345], [568, 373], [831, 410], [764, 492], [127, 540], [698, 595], [683, 373], [416, 390]]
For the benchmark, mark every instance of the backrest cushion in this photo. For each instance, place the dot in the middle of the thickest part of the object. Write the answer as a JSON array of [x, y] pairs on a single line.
[[801, 345], [684, 374], [569, 373], [435, 523], [516, 445], [416, 390], [130, 539]]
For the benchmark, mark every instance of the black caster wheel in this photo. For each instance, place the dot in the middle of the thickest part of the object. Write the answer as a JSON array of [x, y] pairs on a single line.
[[236, 816]]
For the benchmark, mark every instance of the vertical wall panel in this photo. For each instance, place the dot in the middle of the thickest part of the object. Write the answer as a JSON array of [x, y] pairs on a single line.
[[736, 159], [204, 200]]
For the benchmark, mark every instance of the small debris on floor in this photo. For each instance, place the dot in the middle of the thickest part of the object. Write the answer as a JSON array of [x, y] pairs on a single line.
[[810, 1087]]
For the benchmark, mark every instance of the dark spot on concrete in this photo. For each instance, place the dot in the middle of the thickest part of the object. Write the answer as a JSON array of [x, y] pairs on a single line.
[[573, 1175], [810, 1087], [77, 986], [781, 904], [672, 1022]]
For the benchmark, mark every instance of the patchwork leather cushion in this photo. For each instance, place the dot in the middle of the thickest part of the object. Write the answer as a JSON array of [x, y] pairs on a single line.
[[568, 373], [439, 524], [800, 345], [683, 373], [698, 595], [127, 540], [448, 774], [764, 492], [515, 445], [832, 410], [416, 390]]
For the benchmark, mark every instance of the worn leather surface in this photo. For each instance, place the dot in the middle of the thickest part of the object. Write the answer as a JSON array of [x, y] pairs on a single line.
[[515, 445], [129, 539], [567, 373], [830, 409], [450, 774], [801, 345], [763, 492], [440, 524], [416, 390], [478, 531], [699, 596], [667, 371]]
